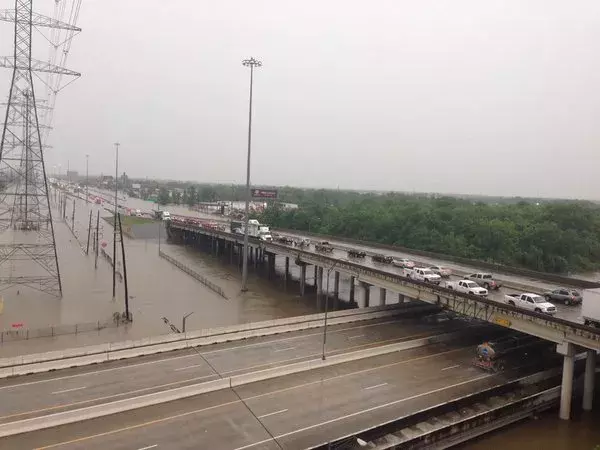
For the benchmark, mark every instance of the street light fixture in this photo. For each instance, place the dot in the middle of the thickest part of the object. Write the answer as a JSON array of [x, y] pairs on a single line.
[[183, 321], [252, 63]]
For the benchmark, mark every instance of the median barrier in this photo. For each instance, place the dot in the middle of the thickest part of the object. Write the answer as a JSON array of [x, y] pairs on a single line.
[[58, 360]]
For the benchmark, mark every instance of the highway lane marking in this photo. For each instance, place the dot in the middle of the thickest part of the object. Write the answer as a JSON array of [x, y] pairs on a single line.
[[356, 336], [273, 413], [283, 349], [149, 447], [164, 419], [67, 377], [342, 350], [375, 387], [368, 410], [82, 402], [139, 425], [451, 367], [300, 337], [69, 390], [370, 369], [191, 367]]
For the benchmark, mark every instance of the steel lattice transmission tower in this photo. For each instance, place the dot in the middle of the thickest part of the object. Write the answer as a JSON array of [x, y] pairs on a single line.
[[27, 246]]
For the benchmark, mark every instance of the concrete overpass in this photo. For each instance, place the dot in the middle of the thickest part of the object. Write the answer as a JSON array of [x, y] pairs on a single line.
[[570, 336]]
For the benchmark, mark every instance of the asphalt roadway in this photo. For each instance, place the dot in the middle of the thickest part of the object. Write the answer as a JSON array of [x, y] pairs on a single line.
[[45, 393], [297, 411]]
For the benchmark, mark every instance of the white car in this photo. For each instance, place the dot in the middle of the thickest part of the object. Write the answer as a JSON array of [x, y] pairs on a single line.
[[403, 262], [467, 287], [531, 302], [443, 272]]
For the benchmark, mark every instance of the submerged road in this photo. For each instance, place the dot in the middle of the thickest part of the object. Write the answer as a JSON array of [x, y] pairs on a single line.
[[45, 393], [298, 411]]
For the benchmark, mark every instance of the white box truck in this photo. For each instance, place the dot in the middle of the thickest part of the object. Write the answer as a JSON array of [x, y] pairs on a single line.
[[591, 307]]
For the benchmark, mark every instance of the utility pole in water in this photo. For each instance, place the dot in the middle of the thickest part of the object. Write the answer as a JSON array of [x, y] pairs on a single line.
[[114, 284]]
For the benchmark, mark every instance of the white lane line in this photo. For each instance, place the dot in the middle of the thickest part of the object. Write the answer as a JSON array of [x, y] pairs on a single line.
[[273, 413], [300, 337], [69, 390], [149, 447], [451, 367], [190, 367], [283, 349], [375, 387], [368, 410], [356, 336]]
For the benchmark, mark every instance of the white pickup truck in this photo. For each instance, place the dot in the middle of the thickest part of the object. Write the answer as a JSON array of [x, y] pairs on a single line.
[[467, 287], [422, 274], [531, 302]]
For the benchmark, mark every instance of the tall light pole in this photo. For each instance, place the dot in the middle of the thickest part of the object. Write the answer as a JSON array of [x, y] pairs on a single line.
[[252, 63], [115, 222], [326, 310], [87, 181]]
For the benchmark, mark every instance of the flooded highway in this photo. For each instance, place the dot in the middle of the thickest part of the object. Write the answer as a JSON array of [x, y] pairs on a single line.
[[156, 288]]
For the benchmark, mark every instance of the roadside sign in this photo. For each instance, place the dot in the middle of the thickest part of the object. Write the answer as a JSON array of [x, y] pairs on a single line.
[[264, 193]]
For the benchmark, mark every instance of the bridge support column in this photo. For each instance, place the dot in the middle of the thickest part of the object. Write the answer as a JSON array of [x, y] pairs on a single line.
[[302, 279], [401, 298], [231, 253], [589, 379], [255, 259], [287, 270], [336, 290], [351, 297], [217, 247], [382, 294], [271, 265], [566, 391], [319, 283], [316, 274], [366, 288]]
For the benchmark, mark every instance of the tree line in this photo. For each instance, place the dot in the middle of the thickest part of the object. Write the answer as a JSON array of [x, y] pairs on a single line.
[[558, 237]]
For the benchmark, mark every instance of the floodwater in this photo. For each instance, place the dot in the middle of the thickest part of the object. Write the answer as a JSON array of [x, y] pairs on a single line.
[[157, 289], [546, 432]]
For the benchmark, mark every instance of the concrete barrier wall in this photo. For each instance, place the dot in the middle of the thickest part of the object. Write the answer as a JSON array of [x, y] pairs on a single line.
[[81, 414], [36, 364]]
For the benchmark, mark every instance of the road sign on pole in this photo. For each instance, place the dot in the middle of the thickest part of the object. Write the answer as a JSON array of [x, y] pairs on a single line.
[[264, 193]]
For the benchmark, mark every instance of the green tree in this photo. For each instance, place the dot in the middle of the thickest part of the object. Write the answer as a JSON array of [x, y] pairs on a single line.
[[163, 196], [192, 196]]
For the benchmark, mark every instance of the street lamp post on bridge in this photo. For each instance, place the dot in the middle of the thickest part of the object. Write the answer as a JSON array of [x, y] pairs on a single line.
[[252, 63]]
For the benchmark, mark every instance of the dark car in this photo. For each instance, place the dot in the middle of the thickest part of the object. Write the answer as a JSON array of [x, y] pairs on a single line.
[[564, 295]]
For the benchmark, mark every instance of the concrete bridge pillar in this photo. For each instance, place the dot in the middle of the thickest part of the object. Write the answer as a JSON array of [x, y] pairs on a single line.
[[271, 265], [302, 279], [336, 290], [231, 253], [351, 298], [589, 379], [382, 294], [366, 293], [319, 283], [401, 298], [566, 391], [316, 274], [287, 270]]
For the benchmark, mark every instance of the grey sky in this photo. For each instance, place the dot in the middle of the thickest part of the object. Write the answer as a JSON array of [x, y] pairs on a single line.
[[494, 97]]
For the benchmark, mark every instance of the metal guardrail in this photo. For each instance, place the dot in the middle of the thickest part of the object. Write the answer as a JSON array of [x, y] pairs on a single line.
[[55, 330], [479, 307], [205, 281]]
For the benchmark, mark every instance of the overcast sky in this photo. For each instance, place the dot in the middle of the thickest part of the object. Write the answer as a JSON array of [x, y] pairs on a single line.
[[466, 96]]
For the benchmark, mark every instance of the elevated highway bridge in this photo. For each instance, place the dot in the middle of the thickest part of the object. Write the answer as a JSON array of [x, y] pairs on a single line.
[[571, 336]]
